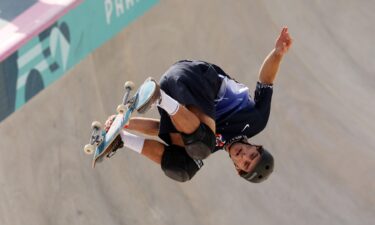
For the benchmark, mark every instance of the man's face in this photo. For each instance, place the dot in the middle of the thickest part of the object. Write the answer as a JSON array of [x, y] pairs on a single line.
[[244, 156]]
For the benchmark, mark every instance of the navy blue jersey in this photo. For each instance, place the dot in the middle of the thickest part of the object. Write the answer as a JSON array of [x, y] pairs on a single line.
[[232, 97], [248, 120], [201, 84]]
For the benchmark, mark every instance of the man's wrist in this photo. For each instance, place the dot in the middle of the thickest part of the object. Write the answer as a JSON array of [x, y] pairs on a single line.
[[278, 53], [261, 85]]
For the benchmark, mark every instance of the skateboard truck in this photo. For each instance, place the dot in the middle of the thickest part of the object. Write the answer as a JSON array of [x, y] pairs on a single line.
[[96, 138]]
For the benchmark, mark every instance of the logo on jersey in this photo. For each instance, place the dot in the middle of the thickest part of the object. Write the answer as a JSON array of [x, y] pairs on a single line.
[[247, 126], [219, 140]]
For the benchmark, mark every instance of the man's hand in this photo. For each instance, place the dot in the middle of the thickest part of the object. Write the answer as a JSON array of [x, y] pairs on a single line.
[[109, 122], [270, 66], [283, 42], [117, 142]]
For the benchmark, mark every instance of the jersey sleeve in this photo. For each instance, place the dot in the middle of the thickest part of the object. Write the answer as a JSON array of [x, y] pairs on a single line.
[[263, 97]]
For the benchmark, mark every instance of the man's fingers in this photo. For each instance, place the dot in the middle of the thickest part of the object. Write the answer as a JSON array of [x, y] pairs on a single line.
[[109, 122], [284, 41], [284, 30], [285, 36]]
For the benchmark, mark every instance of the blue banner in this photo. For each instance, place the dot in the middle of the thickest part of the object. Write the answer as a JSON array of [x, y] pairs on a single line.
[[47, 57]]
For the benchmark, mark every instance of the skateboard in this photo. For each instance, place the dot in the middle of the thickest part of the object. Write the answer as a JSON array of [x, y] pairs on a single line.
[[100, 140]]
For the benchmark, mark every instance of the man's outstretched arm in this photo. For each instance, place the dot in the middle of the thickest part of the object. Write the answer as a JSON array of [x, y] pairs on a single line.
[[270, 66]]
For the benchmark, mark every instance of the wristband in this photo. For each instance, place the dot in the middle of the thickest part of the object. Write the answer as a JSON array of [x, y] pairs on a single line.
[[261, 85]]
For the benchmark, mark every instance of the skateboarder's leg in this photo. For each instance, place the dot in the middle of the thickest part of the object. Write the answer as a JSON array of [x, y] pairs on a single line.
[[197, 129], [152, 149], [173, 159], [147, 126], [185, 119], [178, 165]]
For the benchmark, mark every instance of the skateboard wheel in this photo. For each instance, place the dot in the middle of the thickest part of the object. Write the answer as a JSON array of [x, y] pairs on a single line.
[[89, 149], [129, 85], [96, 125], [121, 108]]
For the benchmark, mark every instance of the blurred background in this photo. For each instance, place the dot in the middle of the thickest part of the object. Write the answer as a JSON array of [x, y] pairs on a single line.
[[320, 130]]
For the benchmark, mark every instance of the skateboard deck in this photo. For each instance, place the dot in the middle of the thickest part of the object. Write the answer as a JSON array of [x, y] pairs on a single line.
[[100, 141]]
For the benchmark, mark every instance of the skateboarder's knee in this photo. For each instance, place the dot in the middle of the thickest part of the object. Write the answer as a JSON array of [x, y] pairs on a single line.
[[201, 143], [177, 164]]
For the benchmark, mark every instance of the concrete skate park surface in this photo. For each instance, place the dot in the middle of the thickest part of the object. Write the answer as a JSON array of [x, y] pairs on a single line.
[[320, 131]]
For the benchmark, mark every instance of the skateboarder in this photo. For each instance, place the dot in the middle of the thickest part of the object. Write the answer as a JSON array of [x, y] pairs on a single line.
[[202, 110]]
